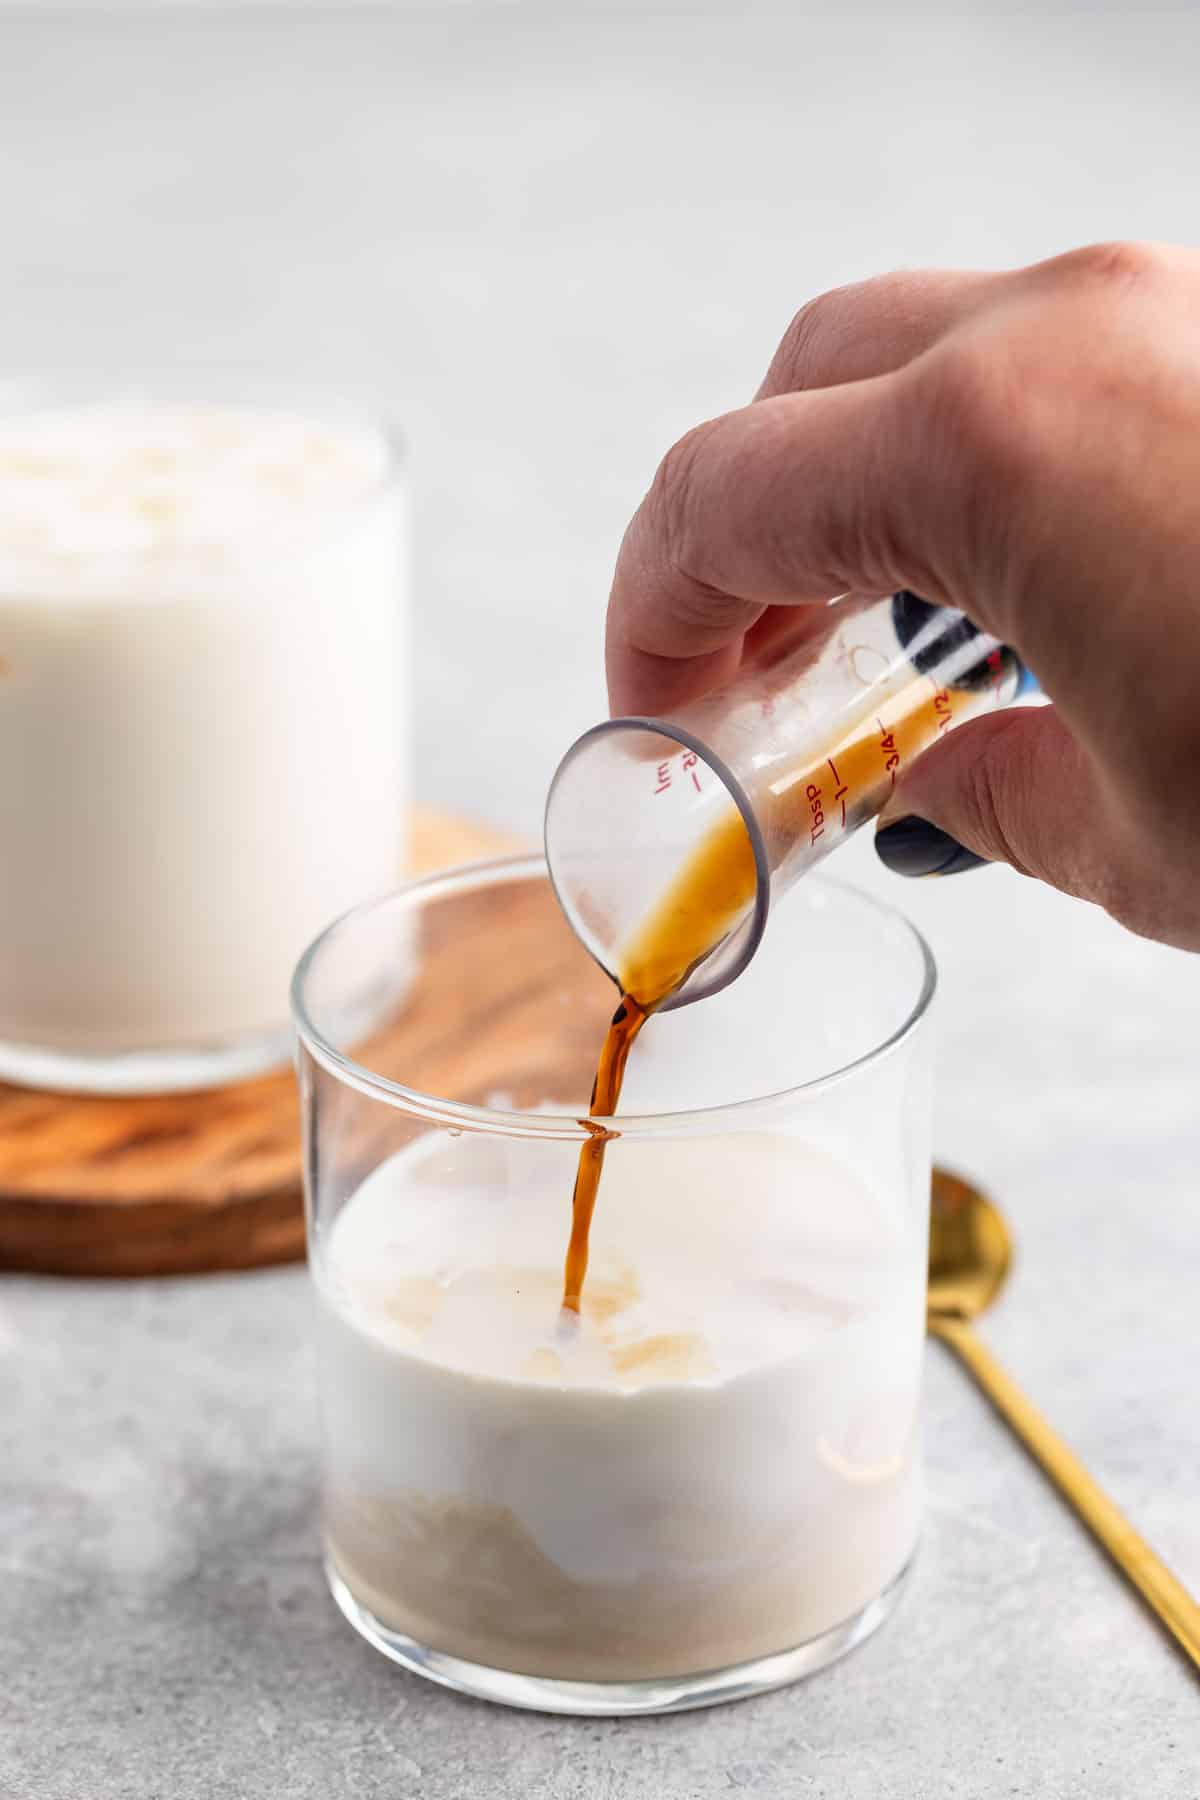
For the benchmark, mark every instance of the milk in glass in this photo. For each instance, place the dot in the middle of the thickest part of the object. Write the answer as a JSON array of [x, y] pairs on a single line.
[[201, 728]]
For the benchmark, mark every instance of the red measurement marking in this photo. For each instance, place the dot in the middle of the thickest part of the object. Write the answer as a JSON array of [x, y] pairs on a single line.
[[841, 791], [887, 743], [995, 663], [689, 762], [813, 795], [664, 777]]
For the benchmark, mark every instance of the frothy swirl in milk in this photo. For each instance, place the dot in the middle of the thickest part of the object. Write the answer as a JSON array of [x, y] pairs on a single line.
[[201, 715], [714, 1462], [78, 486]]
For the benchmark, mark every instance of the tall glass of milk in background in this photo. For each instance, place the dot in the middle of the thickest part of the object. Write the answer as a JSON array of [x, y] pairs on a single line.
[[202, 729]]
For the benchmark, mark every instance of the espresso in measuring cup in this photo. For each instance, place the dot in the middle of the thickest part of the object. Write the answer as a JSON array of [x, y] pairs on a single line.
[[823, 731]]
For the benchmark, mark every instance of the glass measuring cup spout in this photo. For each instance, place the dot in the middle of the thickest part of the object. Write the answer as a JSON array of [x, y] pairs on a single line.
[[658, 859], [669, 840]]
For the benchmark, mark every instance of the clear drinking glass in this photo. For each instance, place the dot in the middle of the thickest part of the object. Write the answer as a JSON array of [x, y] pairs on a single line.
[[717, 810], [707, 1485], [202, 722]]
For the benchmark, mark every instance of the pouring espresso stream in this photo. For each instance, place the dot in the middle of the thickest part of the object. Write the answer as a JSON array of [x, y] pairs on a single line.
[[758, 786], [708, 897]]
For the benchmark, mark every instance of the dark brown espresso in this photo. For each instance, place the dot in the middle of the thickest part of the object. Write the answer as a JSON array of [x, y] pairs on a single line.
[[627, 1021], [816, 802], [711, 892]]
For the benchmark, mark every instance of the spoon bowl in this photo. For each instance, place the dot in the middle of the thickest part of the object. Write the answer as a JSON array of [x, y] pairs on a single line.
[[970, 1251]]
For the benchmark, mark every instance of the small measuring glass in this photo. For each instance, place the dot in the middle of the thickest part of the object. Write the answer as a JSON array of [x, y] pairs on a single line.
[[668, 839]]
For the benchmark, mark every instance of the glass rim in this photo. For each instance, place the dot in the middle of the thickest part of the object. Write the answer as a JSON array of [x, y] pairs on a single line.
[[502, 1122], [696, 986]]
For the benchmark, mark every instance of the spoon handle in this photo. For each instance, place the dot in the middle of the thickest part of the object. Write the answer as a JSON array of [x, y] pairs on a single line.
[[1132, 1555]]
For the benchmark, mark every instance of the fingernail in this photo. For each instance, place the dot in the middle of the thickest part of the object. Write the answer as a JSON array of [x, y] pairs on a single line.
[[913, 846]]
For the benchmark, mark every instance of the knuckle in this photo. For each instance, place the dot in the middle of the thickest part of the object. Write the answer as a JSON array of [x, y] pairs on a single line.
[[1119, 263], [672, 497], [798, 362], [681, 528], [838, 335]]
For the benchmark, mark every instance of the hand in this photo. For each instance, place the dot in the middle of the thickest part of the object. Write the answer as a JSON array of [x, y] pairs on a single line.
[[1025, 446]]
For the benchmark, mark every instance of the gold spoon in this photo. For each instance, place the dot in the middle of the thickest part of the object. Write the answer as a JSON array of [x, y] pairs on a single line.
[[969, 1257]]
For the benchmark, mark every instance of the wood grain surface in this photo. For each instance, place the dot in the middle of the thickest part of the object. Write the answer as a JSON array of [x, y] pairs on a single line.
[[172, 1183]]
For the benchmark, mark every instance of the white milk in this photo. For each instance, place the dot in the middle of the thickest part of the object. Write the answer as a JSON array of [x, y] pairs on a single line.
[[717, 1462], [201, 717]]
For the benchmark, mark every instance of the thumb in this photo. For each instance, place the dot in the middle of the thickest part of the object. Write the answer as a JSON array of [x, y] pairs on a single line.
[[1014, 787]]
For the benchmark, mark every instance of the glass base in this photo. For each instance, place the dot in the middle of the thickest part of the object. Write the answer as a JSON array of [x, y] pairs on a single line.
[[173, 1069], [600, 1699]]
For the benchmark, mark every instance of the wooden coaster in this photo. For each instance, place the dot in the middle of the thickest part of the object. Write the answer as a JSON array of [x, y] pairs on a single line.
[[171, 1183]]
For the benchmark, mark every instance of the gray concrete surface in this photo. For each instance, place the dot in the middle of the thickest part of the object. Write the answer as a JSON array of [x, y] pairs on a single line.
[[549, 239]]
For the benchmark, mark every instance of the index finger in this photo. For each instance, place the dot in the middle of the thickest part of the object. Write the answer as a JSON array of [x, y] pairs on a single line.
[[674, 633], [873, 327], [788, 501]]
